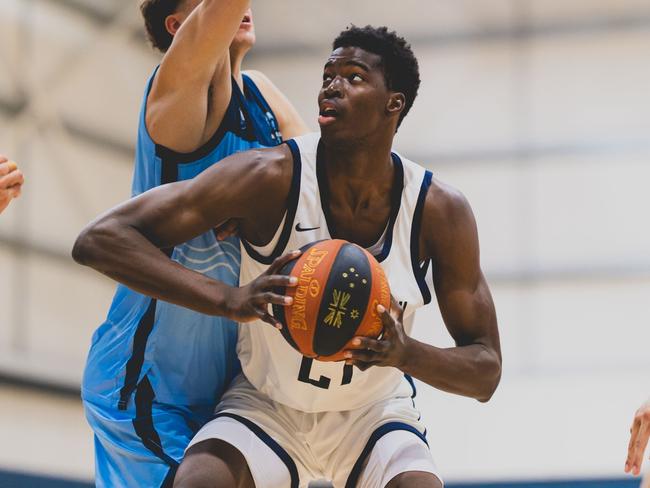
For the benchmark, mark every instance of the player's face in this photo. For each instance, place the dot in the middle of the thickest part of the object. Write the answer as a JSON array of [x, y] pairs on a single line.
[[245, 36], [353, 98]]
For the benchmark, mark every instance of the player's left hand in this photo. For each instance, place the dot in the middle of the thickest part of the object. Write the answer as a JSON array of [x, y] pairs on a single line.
[[389, 350]]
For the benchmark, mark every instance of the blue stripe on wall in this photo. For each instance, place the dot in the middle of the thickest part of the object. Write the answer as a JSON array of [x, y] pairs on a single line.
[[591, 483], [24, 480]]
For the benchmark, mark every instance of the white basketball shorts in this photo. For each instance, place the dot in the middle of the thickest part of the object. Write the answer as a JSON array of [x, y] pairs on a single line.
[[362, 448]]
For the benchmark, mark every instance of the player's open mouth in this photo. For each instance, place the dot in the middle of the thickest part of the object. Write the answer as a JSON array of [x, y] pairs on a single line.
[[328, 114], [246, 19]]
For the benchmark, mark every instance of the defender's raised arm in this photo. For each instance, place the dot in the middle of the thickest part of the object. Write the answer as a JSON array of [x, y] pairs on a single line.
[[192, 88]]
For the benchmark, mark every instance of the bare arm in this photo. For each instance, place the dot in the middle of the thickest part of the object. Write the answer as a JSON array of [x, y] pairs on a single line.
[[177, 107], [473, 367], [291, 123], [126, 243]]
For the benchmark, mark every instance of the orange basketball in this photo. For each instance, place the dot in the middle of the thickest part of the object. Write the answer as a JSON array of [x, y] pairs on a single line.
[[339, 287]]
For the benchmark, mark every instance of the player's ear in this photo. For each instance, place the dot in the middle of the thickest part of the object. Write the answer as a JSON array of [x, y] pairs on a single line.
[[172, 24], [396, 103]]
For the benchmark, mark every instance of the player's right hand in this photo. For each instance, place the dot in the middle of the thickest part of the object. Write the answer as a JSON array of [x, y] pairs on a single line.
[[11, 182], [639, 434], [251, 302]]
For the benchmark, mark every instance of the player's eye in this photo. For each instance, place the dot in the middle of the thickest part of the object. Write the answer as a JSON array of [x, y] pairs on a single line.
[[327, 78], [356, 77]]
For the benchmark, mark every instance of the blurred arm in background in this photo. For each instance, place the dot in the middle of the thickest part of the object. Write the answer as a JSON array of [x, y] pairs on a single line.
[[11, 182], [639, 434]]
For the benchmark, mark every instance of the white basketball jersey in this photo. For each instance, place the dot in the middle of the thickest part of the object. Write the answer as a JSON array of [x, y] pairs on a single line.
[[267, 360]]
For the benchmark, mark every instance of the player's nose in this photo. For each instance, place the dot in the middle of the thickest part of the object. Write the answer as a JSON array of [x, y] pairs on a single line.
[[333, 89]]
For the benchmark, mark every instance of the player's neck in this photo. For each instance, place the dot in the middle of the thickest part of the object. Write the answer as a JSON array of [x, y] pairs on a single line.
[[236, 59], [364, 160]]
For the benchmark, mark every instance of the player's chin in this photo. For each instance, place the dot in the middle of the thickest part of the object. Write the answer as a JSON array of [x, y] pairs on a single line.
[[333, 129], [244, 38]]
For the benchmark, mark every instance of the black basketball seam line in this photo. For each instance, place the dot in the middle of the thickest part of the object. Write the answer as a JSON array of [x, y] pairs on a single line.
[[360, 320], [322, 296]]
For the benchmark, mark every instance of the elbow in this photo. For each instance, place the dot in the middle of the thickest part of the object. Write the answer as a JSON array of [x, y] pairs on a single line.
[[89, 242], [491, 378], [82, 247]]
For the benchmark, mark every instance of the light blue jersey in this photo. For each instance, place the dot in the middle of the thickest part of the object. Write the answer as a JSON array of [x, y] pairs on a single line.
[[148, 352]]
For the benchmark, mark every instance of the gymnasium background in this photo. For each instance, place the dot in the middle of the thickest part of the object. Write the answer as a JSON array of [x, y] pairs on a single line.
[[539, 110]]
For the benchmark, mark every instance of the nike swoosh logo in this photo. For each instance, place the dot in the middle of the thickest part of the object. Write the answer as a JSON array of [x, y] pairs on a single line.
[[304, 229]]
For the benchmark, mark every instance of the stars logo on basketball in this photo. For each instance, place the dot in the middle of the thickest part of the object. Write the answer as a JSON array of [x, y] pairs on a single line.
[[353, 279], [337, 309]]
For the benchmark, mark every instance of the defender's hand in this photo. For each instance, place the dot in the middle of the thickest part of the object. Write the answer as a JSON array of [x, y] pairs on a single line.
[[389, 350], [639, 434], [11, 182], [227, 229], [251, 302]]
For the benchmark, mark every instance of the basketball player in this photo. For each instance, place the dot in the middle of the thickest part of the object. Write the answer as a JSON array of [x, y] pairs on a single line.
[[289, 419], [11, 182], [639, 435], [142, 392]]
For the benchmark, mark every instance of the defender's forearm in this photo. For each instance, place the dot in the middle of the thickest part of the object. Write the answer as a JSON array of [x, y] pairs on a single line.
[[473, 370], [125, 255]]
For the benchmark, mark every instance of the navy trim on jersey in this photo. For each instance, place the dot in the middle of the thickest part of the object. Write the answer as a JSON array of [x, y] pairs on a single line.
[[420, 272], [412, 383], [381, 431], [169, 174], [396, 198], [250, 88], [232, 122], [168, 482], [144, 427], [292, 205], [135, 362], [231, 119], [269, 441]]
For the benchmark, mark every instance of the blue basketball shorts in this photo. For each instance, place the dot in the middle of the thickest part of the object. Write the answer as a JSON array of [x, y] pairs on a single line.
[[143, 445]]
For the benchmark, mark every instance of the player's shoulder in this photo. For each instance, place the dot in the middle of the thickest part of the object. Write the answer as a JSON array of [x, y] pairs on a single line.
[[266, 164], [446, 204], [307, 142], [263, 82], [257, 76]]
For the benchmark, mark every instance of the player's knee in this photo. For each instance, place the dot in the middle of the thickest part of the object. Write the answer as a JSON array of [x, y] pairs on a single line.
[[415, 479], [213, 464]]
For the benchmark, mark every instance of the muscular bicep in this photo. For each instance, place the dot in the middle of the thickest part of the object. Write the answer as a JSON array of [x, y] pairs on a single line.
[[462, 292], [232, 189]]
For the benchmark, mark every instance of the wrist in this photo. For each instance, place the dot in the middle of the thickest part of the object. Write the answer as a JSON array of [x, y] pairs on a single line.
[[406, 357], [220, 297]]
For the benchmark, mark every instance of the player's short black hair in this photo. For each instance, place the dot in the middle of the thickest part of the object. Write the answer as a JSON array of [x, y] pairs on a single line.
[[400, 66], [154, 13]]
